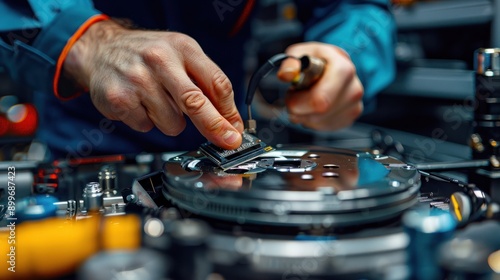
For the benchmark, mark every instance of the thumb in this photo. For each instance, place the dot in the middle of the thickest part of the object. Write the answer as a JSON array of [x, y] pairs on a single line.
[[289, 70]]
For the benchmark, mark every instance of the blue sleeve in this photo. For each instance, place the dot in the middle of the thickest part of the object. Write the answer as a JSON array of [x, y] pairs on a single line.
[[34, 34], [366, 30]]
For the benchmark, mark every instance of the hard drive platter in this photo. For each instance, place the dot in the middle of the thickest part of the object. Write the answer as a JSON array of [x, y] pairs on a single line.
[[299, 186]]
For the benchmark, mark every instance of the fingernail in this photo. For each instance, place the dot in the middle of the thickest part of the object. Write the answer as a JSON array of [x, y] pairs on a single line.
[[230, 137]]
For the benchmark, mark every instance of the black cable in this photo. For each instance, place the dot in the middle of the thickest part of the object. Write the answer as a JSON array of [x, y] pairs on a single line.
[[258, 75], [263, 71]]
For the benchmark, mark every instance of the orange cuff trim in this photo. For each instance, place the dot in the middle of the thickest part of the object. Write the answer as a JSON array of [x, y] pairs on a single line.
[[243, 18], [67, 47]]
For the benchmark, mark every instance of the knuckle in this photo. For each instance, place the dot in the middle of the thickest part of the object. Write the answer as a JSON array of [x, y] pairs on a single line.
[[214, 125], [119, 103], [194, 101], [153, 55], [224, 88], [222, 84], [233, 115], [184, 43], [114, 98], [138, 75]]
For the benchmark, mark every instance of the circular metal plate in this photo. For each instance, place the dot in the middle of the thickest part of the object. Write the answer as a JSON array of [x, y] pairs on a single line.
[[294, 186]]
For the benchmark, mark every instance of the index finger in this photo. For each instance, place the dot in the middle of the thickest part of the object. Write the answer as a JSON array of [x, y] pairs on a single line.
[[216, 86], [191, 100], [194, 103]]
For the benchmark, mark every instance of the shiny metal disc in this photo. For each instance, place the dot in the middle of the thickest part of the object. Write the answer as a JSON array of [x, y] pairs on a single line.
[[294, 186]]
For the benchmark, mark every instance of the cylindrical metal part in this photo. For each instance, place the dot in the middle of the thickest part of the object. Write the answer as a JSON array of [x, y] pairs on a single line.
[[71, 209], [108, 201], [108, 180], [311, 70], [92, 197], [427, 229]]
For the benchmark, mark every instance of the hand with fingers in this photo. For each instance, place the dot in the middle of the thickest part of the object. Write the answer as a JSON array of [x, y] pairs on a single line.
[[154, 78], [335, 101]]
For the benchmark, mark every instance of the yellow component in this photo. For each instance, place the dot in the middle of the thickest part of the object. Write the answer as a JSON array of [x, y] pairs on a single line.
[[121, 232], [475, 142], [56, 247], [297, 78], [493, 143], [456, 208]]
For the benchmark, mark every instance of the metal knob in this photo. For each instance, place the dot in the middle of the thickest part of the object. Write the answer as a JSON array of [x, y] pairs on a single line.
[[93, 199], [108, 181]]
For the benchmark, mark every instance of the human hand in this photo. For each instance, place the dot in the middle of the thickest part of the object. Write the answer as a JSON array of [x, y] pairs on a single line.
[[153, 78], [335, 100]]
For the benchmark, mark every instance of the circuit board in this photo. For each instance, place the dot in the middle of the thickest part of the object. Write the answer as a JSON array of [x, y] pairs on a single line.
[[250, 148]]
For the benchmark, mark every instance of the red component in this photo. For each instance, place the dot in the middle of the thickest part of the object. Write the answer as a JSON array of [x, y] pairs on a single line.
[[4, 126], [47, 180], [91, 160], [24, 120]]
